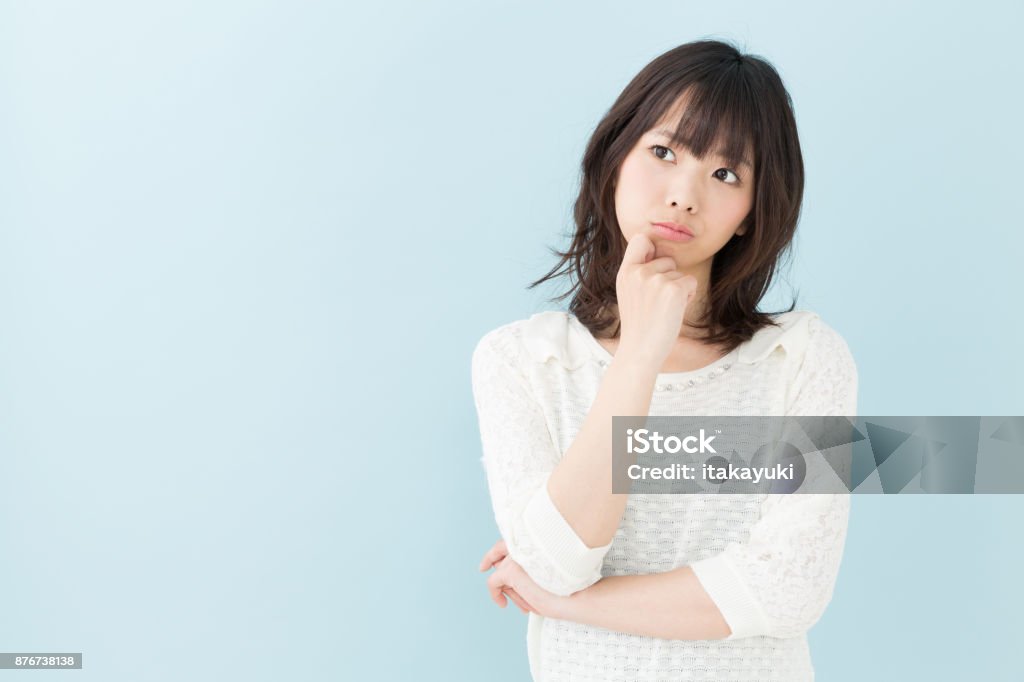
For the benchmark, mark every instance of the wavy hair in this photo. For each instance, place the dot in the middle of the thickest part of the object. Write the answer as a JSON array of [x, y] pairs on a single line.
[[735, 102]]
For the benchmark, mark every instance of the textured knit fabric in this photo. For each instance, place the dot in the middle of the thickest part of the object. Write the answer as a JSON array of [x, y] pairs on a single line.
[[769, 562]]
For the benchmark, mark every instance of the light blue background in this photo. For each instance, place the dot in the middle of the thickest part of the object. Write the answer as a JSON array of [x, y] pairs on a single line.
[[246, 250]]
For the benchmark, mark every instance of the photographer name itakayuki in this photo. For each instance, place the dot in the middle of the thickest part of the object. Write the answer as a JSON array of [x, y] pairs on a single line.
[[637, 441]]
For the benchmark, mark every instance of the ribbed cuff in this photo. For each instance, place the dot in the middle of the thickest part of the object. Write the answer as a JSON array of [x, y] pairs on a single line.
[[553, 534], [737, 605]]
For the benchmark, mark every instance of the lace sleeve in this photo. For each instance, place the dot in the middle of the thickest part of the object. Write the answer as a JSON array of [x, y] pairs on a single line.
[[779, 582], [519, 455], [826, 381]]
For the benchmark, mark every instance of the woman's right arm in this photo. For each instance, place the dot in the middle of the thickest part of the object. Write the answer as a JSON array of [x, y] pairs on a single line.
[[558, 515], [652, 298]]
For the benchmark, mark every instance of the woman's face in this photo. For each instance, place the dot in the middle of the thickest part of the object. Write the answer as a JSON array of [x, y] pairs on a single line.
[[662, 182]]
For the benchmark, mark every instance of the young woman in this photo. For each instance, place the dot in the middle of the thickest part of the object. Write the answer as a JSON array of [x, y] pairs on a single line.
[[690, 195]]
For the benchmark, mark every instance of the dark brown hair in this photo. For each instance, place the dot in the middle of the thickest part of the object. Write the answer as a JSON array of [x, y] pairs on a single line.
[[741, 95]]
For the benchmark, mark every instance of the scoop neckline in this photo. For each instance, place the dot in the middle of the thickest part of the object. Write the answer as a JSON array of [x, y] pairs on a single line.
[[727, 359]]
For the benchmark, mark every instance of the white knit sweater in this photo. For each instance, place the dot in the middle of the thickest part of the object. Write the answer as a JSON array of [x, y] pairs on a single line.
[[769, 562]]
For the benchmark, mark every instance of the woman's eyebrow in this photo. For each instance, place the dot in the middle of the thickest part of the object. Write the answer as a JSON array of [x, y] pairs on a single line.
[[668, 135]]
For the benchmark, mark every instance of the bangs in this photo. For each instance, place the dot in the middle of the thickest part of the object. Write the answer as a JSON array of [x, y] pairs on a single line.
[[718, 118]]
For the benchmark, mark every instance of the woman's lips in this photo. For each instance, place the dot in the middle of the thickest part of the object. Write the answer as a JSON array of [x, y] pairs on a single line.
[[673, 232]]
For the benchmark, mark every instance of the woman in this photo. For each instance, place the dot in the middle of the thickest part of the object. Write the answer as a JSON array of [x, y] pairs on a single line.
[[690, 195]]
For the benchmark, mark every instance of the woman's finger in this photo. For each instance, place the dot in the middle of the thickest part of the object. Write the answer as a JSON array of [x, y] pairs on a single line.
[[494, 555], [495, 585], [523, 605], [662, 264], [639, 249]]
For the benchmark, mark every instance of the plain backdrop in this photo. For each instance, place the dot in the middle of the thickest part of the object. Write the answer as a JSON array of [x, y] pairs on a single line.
[[247, 248]]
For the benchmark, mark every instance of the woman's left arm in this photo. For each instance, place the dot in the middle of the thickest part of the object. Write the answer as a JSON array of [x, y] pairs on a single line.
[[777, 584], [670, 605]]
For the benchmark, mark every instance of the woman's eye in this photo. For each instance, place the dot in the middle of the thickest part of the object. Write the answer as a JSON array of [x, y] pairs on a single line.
[[734, 182], [657, 148]]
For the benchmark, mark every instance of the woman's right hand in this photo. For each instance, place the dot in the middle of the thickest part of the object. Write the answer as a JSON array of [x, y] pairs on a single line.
[[652, 299]]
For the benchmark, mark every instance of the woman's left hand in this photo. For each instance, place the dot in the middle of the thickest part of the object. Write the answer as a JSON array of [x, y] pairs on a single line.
[[509, 576]]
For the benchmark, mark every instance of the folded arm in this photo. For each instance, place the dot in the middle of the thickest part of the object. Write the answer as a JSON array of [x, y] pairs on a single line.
[[556, 512], [670, 605], [777, 584]]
